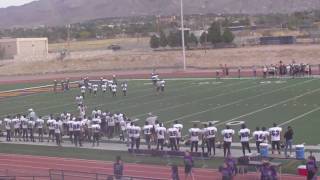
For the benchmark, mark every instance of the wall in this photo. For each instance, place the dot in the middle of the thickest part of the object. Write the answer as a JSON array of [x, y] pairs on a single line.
[[10, 49]]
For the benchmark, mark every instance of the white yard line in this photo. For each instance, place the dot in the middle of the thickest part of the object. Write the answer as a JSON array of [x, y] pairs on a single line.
[[199, 100], [268, 107], [238, 101], [300, 116]]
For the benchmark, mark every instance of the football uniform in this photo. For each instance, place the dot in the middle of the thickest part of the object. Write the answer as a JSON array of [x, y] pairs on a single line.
[[227, 138], [104, 88], [39, 125], [7, 124], [258, 136], [24, 124], [173, 134], [136, 135], [51, 127], [160, 131], [194, 138], [77, 133], [147, 131], [210, 134], [179, 127], [31, 126], [95, 88], [275, 133], [57, 125], [96, 133], [244, 138]]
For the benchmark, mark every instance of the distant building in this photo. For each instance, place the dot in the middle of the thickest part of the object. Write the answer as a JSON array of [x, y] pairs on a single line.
[[24, 48]]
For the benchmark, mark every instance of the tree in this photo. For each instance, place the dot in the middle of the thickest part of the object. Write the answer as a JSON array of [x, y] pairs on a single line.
[[214, 33], [228, 36], [163, 39], [193, 39], [154, 42], [203, 38], [174, 40]]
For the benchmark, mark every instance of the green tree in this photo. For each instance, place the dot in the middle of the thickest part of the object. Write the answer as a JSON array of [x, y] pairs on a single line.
[[193, 39], [174, 39], [214, 33], [154, 42], [203, 38], [228, 36], [163, 39]]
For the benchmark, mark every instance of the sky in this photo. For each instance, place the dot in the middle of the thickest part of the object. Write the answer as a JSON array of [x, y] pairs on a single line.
[[6, 3]]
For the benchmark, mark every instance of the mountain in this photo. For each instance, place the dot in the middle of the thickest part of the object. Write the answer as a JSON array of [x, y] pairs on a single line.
[[55, 12]]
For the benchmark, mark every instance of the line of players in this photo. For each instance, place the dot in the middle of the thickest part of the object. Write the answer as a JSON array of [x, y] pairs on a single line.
[[79, 129], [104, 85], [206, 137]]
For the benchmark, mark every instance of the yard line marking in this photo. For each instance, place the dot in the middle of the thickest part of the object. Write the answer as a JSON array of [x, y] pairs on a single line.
[[181, 95], [300, 116], [268, 107], [73, 103], [236, 102], [199, 100]]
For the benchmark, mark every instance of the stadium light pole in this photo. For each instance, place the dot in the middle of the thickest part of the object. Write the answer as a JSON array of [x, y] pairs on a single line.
[[182, 36]]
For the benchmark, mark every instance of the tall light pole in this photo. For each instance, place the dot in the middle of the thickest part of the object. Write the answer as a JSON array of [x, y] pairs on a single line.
[[182, 36]]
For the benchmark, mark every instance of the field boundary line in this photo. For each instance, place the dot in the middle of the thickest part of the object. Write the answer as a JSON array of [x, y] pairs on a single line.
[[240, 100], [300, 116], [268, 107]]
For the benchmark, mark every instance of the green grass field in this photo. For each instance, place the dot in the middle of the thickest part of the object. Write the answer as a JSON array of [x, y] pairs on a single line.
[[293, 102]]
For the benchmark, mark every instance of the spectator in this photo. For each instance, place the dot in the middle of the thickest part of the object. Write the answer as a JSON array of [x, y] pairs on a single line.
[[312, 168], [268, 172], [188, 164], [174, 172], [226, 172], [232, 164], [288, 136], [118, 168]]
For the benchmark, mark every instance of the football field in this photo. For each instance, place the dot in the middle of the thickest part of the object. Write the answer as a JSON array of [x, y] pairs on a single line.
[[257, 102]]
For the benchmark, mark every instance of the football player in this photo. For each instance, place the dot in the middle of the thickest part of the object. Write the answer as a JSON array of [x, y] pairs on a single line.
[[227, 140]]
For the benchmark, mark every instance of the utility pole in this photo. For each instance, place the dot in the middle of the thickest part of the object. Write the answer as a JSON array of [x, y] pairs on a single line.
[[182, 34]]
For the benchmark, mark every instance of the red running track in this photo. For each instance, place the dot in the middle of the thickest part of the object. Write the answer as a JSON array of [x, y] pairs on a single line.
[[22, 165]]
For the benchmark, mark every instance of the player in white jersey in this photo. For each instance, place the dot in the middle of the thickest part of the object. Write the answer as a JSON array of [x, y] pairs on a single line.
[[7, 123], [90, 87], [83, 91], [110, 82], [96, 133], [95, 89], [179, 127], [24, 124], [211, 132], [244, 134], [79, 100], [161, 133], [114, 89], [50, 125], [258, 137], [227, 140], [129, 129], [173, 134], [124, 87], [194, 134], [57, 125], [17, 127], [122, 129], [111, 126], [39, 125], [31, 128], [77, 132], [162, 84], [104, 88], [70, 129], [265, 135], [147, 131], [136, 136], [275, 133]]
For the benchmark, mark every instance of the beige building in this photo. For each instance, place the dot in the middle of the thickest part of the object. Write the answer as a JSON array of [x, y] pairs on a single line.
[[24, 48]]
